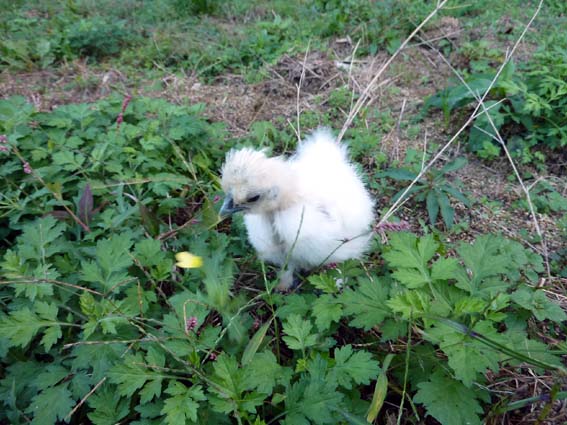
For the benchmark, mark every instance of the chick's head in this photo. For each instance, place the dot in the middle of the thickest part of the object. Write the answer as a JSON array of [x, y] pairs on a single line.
[[254, 183]]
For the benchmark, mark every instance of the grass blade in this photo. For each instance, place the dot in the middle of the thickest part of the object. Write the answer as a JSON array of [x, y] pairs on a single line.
[[380, 391]]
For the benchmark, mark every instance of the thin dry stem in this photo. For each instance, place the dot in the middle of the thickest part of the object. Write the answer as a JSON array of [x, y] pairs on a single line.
[[366, 93], [301, 78], [498, 138], [469, 121], [80, 403]]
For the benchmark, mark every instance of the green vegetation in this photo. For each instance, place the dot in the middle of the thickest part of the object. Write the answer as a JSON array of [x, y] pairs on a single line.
[[98, 325], [90, 295], [236, 36], [433, 189]]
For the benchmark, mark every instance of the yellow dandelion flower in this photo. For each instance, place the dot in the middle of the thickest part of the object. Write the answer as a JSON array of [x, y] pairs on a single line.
[[186, 260]]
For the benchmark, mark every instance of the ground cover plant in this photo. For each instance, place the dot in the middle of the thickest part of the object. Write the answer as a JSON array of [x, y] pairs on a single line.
[[101, 323]]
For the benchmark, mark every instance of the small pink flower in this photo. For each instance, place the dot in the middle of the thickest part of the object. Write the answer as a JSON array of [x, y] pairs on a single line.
[[120, 118], [256, 324], [213, 357], [27, 168], [191, 323], [4, 140], [216, 199], [393, 227], [126, 101], [195, 221]]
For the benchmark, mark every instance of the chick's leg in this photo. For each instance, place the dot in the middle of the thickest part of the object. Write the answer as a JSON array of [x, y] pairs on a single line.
[[287, 282]]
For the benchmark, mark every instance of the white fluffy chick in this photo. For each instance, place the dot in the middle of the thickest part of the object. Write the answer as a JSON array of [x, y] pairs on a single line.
[[302, 212]]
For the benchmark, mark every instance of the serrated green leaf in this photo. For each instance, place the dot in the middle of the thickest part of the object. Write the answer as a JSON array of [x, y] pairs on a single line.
[[22, 325], [40, 239], [539, 304], [313, 400], [366, 304], [468, 357], [183, 404], [409, 256], [399, 174], [229, 392], [411, 304], [356, 367], [108, 408], [326, 310], [149, 252], [444, 269], [264, 372], [454, 165], [132, 374], [50, 376], [112, 260], [50, 337], [325, 283], [484, 261], [51, 405], [298, 333], [449, 401]]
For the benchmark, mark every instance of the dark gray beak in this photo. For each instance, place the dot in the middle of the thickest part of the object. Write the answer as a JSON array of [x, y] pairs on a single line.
[[228, 207]]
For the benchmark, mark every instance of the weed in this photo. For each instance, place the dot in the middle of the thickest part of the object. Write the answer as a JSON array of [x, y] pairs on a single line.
[[433, 189], [531, 120], [93, 305]]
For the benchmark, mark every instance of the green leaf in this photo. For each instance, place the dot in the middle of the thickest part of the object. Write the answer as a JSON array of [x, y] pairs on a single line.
[[449, 401], [454, 165], [399, 174], [51, 405], [411, 303], [228, 393], [326, 309], [132, 374], [468, 357], [22, 325], [108, 408], [254, 343], [367, 303], [432, 205], [183, 404], [409, 257], [539, 304], [40, 239], [484, 262], [447, 211], [50, 376], [311, 399], [444, 269], [298, 333], [264, 372], [380, 391], [325, 283], [457, 194], [353, 367], [112, 261]]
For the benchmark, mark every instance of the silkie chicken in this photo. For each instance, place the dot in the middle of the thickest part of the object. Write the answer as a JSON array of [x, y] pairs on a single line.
[[303, 212]]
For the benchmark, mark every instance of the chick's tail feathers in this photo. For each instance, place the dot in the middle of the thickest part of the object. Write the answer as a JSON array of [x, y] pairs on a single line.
[[321, 147]]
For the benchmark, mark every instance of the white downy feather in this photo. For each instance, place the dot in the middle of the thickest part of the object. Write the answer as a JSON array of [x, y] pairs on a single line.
[[318, 212]]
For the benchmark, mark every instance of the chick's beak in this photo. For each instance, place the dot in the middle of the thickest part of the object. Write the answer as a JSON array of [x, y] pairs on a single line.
[[228, 207]]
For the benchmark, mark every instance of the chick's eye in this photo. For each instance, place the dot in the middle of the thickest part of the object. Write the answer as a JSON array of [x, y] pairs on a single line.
[[253, 198]]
